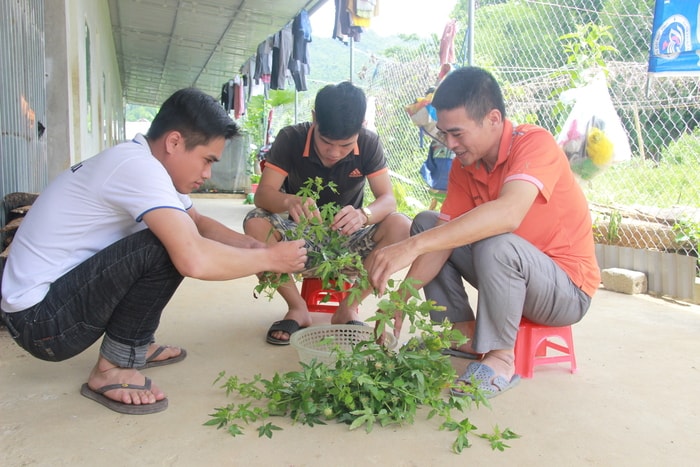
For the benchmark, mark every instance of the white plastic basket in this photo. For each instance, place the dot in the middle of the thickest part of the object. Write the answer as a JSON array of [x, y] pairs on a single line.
[[309, 345]]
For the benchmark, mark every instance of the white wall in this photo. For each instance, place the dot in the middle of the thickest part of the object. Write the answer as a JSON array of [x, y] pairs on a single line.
[[58, 110], [131, 128], [96, 111]]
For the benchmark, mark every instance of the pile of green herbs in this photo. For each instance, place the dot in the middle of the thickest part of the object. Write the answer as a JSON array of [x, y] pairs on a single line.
[[370, 384]]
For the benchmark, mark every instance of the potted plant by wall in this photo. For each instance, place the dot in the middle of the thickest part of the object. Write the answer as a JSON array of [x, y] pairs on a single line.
[[257, 125], [254, 181]]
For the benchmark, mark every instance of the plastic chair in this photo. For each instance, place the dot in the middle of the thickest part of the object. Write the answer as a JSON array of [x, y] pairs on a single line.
[[319, 299], [532, 344]]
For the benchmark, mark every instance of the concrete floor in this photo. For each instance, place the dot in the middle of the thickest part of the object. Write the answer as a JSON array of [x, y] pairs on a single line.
[[633, 402]]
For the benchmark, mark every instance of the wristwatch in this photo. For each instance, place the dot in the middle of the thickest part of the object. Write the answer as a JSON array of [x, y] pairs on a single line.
[[367, 213]]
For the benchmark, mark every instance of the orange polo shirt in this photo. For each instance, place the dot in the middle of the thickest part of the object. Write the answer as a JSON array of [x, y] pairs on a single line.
[[559, 221]]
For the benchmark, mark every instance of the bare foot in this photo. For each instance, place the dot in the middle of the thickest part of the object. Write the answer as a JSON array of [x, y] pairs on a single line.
[[345, 314], [502, 362], [301, 316], [467, 329], [105, 373]]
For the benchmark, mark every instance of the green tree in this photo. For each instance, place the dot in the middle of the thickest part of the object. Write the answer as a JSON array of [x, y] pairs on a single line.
[[134, 113], [629, 19], [255, 122], [521, 34]]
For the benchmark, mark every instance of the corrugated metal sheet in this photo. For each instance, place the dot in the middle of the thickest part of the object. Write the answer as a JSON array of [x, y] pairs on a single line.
[[165, 45], [23, 150], [230, 174], [668, 274]]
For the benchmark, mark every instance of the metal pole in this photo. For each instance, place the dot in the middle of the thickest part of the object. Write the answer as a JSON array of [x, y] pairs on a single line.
[[470, 34], [351, 58]]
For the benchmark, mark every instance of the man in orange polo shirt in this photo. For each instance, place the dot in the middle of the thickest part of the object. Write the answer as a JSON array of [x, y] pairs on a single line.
[[515, 224], [335, 147]]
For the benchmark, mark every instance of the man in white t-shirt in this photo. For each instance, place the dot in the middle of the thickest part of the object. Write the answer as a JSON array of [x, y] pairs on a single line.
[[107, 243]]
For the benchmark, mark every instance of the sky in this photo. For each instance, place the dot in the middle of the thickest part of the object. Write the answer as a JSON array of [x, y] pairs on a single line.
[[395, 17]]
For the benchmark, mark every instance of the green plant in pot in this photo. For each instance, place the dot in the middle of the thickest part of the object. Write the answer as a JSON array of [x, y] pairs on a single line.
[[254, 181]]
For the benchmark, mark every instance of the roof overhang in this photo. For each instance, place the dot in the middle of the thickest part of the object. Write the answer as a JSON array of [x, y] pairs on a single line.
[[165, 45]]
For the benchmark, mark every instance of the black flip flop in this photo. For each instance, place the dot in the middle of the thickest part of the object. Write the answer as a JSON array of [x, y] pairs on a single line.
[[130, 409], [285, 325], [459, 354], [152, 362], [354, 322]]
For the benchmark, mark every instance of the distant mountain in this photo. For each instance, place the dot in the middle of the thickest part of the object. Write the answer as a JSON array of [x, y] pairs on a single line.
[[330, 58]]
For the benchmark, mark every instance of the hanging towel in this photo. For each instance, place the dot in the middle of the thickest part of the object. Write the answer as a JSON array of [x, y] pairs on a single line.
[[447, 44], [227, 94], [365, 8], [343, 28], [281, 53], [299, 61]]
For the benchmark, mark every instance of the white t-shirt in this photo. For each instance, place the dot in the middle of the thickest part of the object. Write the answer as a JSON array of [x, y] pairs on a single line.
[[85, 209]]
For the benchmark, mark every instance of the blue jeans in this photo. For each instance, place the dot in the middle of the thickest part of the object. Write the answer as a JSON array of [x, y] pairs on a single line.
[[119, 292]]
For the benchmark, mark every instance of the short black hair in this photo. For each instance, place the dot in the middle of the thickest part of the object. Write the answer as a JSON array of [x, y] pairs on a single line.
[[470, 87], [197, 115], [340, 110]]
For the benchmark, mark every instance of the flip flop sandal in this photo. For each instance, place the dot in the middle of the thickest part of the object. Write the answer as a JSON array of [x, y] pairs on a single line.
[[354, 322], [152, 362], [452, 352], [130, 409], [486, 381], [285, 325], [459, 354]]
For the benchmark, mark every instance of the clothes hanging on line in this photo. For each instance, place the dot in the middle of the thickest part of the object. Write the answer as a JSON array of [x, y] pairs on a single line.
[[250, 86], [362, 11], [232, 96], [238, 98], [344, 28], [290, 53], [447, 44], [299, 65], [227, 93], [281, 54], [263, 61], [366, 8], [285, 55]]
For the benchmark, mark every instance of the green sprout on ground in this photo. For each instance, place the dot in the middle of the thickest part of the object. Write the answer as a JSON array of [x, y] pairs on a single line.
[[613, 235], [688, 235]]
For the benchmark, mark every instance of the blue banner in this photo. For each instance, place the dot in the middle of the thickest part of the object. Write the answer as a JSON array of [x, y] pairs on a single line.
[[675, 39]]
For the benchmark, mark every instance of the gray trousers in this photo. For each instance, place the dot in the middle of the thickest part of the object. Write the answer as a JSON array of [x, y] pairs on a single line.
[[513, 279]]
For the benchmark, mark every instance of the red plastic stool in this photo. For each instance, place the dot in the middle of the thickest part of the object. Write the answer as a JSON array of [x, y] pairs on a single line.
[[315, 296], [532, 343]]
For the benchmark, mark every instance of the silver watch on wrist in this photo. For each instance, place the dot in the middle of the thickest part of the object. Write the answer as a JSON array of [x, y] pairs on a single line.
[[368, 214]]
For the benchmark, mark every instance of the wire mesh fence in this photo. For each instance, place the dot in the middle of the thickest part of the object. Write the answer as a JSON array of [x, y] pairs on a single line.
[[651, 200]]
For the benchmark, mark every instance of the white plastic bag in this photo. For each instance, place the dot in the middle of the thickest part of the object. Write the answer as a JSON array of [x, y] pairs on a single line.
[[592, 135]]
